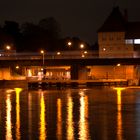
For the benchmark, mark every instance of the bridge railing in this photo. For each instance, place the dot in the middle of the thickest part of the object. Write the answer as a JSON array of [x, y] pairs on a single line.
[[61, 55]]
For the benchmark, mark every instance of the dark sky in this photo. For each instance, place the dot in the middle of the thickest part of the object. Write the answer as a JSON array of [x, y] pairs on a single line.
[[77, 17]]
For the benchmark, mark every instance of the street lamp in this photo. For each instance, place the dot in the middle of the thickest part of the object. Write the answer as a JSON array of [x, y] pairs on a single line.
[[8, 47], [69, 44], [82, 46], [42, 52]]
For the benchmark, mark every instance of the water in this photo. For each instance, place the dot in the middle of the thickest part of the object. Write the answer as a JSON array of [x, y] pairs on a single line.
[[70, 114]]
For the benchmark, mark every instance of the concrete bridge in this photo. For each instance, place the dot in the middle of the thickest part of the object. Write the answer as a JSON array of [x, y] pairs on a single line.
[[77, 64]]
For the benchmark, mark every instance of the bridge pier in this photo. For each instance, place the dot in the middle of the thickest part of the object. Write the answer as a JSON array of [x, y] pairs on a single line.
[[79, 72]]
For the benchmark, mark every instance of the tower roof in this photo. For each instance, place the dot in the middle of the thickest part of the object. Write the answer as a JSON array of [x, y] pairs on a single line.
[[115, 22]]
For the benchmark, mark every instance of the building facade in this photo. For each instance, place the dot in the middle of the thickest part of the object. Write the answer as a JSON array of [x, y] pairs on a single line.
[[118, 37]]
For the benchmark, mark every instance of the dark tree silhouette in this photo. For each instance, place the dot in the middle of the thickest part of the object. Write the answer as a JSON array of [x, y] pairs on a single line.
[[11, 34], [45, 35]]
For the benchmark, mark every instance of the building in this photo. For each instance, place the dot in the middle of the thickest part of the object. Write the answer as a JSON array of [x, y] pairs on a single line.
[[118, 37]]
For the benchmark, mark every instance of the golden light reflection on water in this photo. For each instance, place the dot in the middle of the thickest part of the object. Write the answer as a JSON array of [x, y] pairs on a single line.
[[8, 118], [70, 129], [30, 115], [18, 90], [83, 122], [59, 119], [119, 114], [42, 118]]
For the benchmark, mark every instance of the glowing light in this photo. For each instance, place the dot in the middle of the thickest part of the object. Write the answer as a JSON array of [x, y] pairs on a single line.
[[42, 51], [83, 123], [29, 73], [8, 118], [70, 131], [85, 52], [8, 47], [82, 46], [119, 114], [69, 44], [104, 49], [18, 90], [17, 67], [118, 65], [59, 119], [9, 90], [136, 41], [83, 55], [42, 119], [58, 53], [30, 115]]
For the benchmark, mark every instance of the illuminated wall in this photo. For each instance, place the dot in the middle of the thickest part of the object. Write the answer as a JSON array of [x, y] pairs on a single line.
[[113, 44], [5, 74], [112, 72]]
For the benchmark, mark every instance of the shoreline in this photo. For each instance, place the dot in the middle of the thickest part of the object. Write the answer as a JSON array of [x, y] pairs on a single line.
[[58, 84]]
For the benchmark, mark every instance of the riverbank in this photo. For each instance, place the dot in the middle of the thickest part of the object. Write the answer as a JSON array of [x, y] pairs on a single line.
[[44, 84]]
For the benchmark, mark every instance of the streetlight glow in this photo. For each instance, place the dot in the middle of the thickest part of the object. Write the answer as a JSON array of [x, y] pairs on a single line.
[[69, 43], [8, 47], [58, 53], [42, 51], [85, 52], [118, 64], [17, 67], [82, 46]]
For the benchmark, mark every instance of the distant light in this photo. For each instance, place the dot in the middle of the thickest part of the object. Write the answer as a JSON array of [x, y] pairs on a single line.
[[58, 53], [118, 64], [83, 55], [82, 46], [136, 41], [8, 47], [69, 43], [104, 49], [17, 67], [42, 51], [85, 52]]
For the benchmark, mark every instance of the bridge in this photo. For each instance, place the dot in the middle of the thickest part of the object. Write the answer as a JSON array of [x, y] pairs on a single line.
[[76, 64], [63, 58]]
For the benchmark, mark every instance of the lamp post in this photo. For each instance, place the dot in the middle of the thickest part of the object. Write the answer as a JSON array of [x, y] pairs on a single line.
[[43, 69], [42, 52], [7, 49]]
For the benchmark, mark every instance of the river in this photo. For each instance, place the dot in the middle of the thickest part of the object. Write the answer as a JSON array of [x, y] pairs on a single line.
[[98, 113]]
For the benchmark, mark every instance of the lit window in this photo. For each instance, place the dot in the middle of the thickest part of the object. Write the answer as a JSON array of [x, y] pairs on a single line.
[[129, 41], [136, 41]]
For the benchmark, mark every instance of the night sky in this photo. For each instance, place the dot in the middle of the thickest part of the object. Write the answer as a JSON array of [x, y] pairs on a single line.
[[77, 17]]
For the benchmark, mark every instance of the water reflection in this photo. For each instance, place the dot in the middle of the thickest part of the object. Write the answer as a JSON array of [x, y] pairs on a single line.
[[70, 131], [59, 119], [8, 118], [30, 114], [18, 90], [119, 113], [76, 114], [83, 122], [42, 117]]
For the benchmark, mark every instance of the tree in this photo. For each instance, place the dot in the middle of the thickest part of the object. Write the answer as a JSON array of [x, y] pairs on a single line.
[[12, 34]]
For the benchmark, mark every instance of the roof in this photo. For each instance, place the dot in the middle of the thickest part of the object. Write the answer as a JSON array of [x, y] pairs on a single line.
[[114, 22]]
